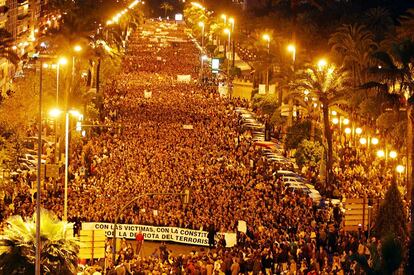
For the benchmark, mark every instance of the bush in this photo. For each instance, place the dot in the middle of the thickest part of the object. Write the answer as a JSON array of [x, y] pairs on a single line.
[[309, 153]]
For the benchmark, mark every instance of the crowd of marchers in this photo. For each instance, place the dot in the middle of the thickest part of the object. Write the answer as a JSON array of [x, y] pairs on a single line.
[[175, 136]]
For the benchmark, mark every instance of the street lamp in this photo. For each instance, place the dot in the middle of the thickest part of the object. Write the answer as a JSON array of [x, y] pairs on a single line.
[[374, 141], [228, 32], [231, 21], [345, 121], [380, 153], [201, 25], [55, 113], [203, 58], [335, 120], [393, 154], [400, 169], [322, 63], [292, 49], [61, 61], [267, 38], [224, 17]]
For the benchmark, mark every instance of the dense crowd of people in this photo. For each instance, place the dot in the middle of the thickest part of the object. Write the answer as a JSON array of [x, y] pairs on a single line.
[[176, 135]]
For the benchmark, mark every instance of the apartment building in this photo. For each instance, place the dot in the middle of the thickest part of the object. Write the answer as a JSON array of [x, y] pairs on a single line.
[[19, 22]]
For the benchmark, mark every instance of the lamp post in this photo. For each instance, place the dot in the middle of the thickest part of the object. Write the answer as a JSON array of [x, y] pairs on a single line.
[[201, 25], [55, 113], [228, 32], [61, 61], [39, 163], [233, 52], [266, 38]]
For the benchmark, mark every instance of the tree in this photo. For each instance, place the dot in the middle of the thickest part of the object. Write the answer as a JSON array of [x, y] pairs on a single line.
[[391, 218], [379, 21], [327, 84], [393, 74], [59, 255], [354, 45], [166, 7], [406, 28], [309, 153]]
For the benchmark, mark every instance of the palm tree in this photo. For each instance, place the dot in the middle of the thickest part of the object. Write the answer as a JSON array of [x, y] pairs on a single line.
[[327, 84], [406, 28], [354, 45], [166, 7], [18, 247], [379, 21], [395, 75]]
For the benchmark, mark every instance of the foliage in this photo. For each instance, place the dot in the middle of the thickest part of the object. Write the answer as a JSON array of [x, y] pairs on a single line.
[[354, 45], [299, 132], [17, 246], [309, 153], [166, 7], [266, 103], [391, 218]]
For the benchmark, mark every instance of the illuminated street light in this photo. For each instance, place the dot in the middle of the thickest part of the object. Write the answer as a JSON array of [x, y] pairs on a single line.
[[224, 17], [334, 113], [363, 141], [393, 154], [348, 130], [292, 49], [374, 141], [335, 120], [400, 169], [77, 48], [231, 21], [322, 63], [380, 153], [345, 121], [62, 61], [358, 131], [55, 113]]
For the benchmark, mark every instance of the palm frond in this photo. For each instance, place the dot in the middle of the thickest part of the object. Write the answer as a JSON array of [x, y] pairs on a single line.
[[18, 246]]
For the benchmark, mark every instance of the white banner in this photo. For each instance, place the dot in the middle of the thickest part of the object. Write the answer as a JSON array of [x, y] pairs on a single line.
[[159, 233], [184, 78]]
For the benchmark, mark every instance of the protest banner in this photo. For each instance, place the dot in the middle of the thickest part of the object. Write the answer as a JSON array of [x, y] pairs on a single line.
[[158, 233]]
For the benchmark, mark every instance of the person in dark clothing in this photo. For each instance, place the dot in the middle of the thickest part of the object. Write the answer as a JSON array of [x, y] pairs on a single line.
[[210, 235]]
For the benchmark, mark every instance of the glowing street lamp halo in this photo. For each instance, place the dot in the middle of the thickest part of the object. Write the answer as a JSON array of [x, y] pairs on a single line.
[[62, 61], [226, 31], [348, 130], [380, 153], [335, 120], [291, 48], [374, 141], [363, 141], [322, 63], [77, 48], [400, 168], [55, 112], [266, 37], [358, 131], [393, 154], [345, 121]]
